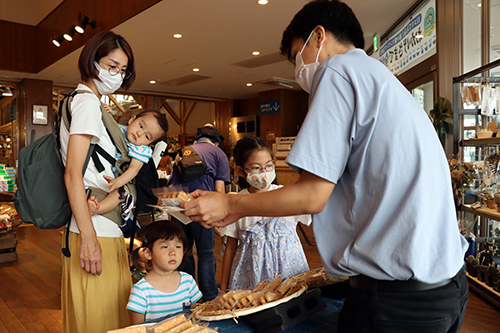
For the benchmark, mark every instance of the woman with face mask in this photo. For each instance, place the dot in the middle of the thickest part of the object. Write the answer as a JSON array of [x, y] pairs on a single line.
[[96, 279], [260, 248]]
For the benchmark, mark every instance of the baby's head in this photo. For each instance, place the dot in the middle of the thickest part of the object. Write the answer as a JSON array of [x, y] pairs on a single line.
[[165, 245], [147, 128]]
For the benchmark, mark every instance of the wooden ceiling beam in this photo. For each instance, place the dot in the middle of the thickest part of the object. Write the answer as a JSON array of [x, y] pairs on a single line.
[[7, 100], [119, 106], [29, 49], [188, 113], [172, 113]]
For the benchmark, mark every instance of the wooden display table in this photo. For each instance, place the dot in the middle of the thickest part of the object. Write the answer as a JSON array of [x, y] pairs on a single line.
[[8, 246], [8, 237]]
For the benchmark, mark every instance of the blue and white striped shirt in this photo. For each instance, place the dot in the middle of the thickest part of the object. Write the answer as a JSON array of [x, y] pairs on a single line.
[[144, 298]]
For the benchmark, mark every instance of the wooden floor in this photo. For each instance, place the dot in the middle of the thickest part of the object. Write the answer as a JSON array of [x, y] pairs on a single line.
[[30, 287]]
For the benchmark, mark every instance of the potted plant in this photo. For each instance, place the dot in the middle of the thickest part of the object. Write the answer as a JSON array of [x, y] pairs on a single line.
[[461, 177], [469, 265], [492, 276], [438, 116], [475, 265]]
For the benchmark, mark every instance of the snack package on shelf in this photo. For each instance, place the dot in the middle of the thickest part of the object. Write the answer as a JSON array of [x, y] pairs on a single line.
[[466, 96], [176, 324], [489, 101], [170, 199], [9, 219]]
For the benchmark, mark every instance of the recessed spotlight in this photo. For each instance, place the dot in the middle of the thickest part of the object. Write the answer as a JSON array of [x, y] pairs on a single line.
[[262, 2], [249, 84], [255, 53], [152, 81], [177, 36], [196, 69]]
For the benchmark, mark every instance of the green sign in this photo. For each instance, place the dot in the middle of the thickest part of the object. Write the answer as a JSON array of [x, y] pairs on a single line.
[[375, 43]]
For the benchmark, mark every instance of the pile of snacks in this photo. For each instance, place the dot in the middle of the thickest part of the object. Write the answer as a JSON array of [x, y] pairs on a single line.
[[169, 200], [233, 302], [177, 324], [264, 295]]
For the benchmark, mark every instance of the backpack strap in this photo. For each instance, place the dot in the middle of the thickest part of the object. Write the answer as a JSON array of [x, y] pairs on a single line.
[[65, 118]]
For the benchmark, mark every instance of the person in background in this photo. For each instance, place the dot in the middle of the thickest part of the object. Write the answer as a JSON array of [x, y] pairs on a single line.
[[96, 278], [164, 290], [206, 145], [368, 157], [268, 247]]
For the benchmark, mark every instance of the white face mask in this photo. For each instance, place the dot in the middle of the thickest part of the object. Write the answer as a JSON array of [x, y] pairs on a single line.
[[109, 83], [304, 73]]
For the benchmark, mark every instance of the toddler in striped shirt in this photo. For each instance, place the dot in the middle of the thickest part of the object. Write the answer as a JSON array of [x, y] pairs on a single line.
[[164, 290]]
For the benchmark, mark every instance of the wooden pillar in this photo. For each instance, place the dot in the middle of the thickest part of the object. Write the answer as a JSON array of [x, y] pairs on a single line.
[[32, 92]]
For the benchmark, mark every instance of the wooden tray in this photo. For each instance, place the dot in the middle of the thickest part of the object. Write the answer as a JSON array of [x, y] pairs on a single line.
[[246, 312]]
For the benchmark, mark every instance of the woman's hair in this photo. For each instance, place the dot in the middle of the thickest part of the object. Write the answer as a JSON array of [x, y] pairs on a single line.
[[333, 15], [100, 46], [166, 230], [244, 148], [162, 121]]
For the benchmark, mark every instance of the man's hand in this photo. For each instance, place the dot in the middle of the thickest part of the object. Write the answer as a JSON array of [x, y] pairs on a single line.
[[211, 209], [91, 255]]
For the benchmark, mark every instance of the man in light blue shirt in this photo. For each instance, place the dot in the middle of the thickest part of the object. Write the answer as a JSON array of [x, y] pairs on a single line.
[[374, 174]]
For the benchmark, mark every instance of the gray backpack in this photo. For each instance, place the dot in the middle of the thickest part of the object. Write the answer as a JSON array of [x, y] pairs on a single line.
[[41, 197]]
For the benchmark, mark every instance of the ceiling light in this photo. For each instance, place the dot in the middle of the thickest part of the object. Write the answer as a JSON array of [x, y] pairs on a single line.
[[177, 36], [196, 69], [255, 53], [70, 33], [80, 28], [57, 41], [262, 2], [479, 4], [249, 84], [7, 92], [152, 81]]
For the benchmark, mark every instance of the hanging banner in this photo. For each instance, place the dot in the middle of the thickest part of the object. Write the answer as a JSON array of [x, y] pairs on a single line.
[[413, 43]]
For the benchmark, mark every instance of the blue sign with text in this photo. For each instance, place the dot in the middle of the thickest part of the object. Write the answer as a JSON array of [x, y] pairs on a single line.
[[270, 106]]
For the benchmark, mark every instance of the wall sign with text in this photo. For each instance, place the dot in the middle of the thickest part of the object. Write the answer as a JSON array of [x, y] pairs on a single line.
[[270, 106], [413, 43]]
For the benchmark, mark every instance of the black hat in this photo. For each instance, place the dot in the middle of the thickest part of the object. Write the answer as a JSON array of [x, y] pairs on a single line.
[[209, 131]]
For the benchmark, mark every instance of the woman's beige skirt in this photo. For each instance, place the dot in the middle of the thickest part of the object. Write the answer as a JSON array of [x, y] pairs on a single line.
[[95, 303]]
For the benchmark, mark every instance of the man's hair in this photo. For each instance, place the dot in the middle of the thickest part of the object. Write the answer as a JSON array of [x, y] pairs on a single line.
[[333, 15], [99, 47], [162, 121]]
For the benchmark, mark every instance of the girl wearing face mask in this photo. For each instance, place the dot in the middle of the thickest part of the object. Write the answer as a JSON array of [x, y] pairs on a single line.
[[260, 248], [96, 279]]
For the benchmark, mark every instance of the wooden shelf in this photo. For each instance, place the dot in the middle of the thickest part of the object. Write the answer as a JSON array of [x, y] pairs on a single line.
[[481, 142], [482, 211], [484, 290]]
